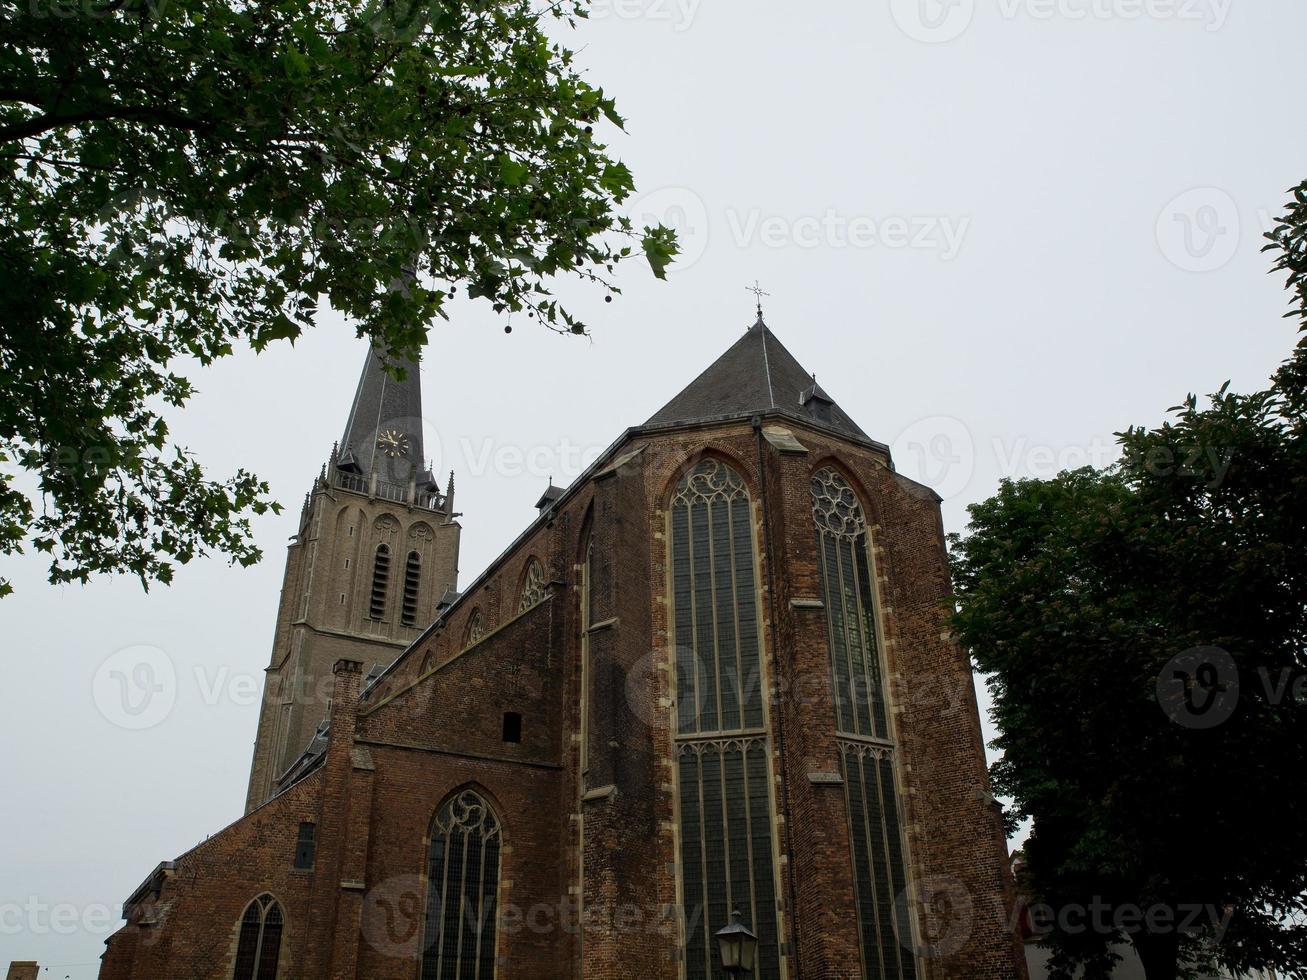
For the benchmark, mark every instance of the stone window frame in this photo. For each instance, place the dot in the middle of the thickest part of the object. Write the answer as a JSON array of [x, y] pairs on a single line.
[[252, 960]]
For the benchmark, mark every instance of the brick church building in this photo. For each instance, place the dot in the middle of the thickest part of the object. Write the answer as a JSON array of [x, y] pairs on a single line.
[[714, 674]]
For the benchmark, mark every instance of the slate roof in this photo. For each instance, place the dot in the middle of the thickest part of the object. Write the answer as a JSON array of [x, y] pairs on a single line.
[[384, 405], [756, 375]]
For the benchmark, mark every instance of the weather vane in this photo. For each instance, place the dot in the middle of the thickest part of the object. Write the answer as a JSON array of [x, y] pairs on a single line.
[[758, 294]]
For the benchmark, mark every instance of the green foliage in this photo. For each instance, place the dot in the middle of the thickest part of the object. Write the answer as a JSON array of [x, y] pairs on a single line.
[[182, 177], [1076, 594], [1288, 242]]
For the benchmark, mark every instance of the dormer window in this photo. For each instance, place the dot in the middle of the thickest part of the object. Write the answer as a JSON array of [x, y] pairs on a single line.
[[817, 402]]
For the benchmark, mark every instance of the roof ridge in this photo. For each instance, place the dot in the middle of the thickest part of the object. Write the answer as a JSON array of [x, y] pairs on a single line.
[[766, 362]]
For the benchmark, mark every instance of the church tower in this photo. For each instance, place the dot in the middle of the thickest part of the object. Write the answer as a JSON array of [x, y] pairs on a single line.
[[375, 556]]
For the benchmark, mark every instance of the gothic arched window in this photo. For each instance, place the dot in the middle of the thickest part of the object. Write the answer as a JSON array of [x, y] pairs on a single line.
[[412, 579], [534, 588], [258, 950], [723, 752], [462, 891], [866, 750], [380, 582], [850, 611], [718, 663], [475, 628]]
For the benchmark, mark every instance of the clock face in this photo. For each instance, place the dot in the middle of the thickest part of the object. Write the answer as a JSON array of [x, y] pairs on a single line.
[[393, 443]]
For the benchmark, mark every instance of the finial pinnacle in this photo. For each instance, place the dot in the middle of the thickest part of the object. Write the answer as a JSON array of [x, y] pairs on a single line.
[[758, 294]]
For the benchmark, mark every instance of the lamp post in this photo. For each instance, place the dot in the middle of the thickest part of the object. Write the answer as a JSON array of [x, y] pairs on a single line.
[[738, 947]]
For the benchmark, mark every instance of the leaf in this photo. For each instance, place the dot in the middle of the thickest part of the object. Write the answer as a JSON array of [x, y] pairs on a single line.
[[511, 172], [659, 249], [296, 65], [617, 180]]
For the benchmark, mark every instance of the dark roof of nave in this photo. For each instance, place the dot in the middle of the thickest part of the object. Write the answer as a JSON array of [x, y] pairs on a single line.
[[385, 406], [756, 375]]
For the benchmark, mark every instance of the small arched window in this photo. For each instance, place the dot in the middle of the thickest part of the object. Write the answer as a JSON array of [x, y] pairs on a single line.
[[534, 588], [412, 578], [475, 628], [380, 582], [258, 951], [462, 891]]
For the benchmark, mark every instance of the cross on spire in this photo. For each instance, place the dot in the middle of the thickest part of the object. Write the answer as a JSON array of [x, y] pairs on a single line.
[[758, 294]]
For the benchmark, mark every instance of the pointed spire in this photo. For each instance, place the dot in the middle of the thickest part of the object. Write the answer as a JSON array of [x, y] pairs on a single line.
[[383, 435]]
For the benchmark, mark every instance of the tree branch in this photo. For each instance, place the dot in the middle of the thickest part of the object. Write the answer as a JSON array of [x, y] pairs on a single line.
[[43, 124]]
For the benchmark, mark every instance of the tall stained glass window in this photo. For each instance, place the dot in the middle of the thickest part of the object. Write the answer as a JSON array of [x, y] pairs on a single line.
[[462, 888], [866, 749], [723, 753], [258, 950], [718, 667]]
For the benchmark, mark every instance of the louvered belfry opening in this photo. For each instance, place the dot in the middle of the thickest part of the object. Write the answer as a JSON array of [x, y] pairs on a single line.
[[462, 891], [867, 751], [258, 949], [723, 749], [412, 579], [380, 582]]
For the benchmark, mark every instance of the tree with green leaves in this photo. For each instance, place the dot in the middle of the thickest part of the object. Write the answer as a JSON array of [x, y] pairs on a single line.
[[180, 178], [1144, 633]]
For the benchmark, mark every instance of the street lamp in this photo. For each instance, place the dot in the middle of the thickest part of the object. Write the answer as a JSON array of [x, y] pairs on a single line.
[[738, 947]]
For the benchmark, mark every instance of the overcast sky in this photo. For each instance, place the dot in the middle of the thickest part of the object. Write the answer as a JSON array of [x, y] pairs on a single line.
[[997, 232]]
